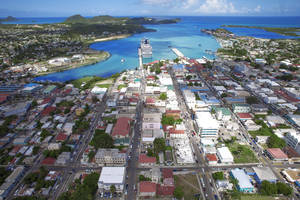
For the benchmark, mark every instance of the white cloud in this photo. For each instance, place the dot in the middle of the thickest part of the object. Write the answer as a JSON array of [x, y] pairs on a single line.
[[257, 9], [157, 2], [217, 7], [189, 3]]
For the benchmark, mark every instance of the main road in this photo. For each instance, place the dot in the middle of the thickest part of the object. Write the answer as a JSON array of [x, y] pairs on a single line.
[[207, 190]]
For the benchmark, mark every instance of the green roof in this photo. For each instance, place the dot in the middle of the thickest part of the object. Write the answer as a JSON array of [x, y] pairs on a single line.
[[225, 111], [121, 141], [49, 88]]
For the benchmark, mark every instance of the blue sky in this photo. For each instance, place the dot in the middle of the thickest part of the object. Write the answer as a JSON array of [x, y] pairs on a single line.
[[60, 8]]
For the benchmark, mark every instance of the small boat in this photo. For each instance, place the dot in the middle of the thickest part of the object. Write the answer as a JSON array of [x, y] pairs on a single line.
[[122, 60], [199, 45]]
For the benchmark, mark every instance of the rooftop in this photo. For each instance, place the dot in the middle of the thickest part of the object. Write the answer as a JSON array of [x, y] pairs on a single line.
[[277, 153], [112, 175], [147, 186]]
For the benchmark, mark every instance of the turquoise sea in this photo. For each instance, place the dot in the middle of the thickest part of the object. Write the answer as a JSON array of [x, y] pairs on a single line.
[[185, 36]]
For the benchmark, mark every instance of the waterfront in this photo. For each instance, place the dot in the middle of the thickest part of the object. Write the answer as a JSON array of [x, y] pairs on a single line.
[[185, 36]]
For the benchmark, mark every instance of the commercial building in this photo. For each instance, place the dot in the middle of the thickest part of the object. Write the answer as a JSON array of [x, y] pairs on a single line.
[[264, 174], [276, 154], [110, 157], [244, 184], [147, 189], [206, 125], [145, 160], [121, 131], [151, 121], [225, 155], [10, 182], [241, 108], [293, 140], [222, 113], [112, 176]]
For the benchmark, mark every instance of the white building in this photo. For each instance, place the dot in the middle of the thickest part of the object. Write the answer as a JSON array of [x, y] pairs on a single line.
[[225, 155], [190, 98], [112, 176], [293, 140], [98, 90], [207, 125]]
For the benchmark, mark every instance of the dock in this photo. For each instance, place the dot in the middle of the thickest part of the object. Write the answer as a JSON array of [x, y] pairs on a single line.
[[140, 58], [178, 53]]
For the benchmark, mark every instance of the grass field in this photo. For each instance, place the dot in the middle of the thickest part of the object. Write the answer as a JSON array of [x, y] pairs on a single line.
[[242, 153], [188, 183], [260, 197]]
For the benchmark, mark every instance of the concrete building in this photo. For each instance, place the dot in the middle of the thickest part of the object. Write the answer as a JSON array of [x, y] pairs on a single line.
[[264, 174], [293, 140], [223, 113], [110, 157], [206, 125], [151, 121], [63, 158], [147, 189], [225, 155], [241, 108], [148, 135], [112, 176], [276, 154], [244, 184]]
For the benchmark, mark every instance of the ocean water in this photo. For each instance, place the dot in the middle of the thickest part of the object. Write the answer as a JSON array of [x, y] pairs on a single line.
[[185, 36]]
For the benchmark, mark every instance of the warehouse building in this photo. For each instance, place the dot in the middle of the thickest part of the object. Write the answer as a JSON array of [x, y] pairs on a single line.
[[225, 155], [264, 174], [244, 184]]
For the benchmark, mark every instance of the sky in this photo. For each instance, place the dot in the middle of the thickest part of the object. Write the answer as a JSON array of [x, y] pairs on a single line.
[[64, 8]]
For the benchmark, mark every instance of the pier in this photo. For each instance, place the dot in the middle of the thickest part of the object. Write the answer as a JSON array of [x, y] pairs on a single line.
[[177, 52]]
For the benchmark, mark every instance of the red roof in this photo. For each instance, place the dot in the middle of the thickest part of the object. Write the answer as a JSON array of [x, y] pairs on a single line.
[[3, 99], [277, 153], [167, 173], [172, 111], [151, 77], [48, 161], [68, 91], [244, 115], [61, 137], [122, 127], [46, 100], [146, 159], [156, 61], [133, 100], [147, 186], [150, 100], [211, 157], [173, 131], [48, 110], [165, 190]]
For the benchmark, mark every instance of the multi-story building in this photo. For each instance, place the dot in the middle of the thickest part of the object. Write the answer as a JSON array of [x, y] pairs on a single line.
[[241, 108], [206, 125], [293, 140], [110, 157]]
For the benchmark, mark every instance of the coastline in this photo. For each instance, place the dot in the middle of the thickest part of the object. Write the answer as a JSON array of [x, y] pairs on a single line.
[[117, 37], [76, 65]]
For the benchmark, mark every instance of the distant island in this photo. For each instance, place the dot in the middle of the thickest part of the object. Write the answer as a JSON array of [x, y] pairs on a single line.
[[287, 31], [8, 19], [105, 19]]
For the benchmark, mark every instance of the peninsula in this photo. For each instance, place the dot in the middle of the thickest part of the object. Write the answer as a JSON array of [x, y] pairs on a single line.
[[287, 31], [48, 48]]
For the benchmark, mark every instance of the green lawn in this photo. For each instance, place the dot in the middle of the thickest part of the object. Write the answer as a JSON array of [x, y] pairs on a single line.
[[78, 82], [189, 192], [259, 197], [242, 153], [104, 85]]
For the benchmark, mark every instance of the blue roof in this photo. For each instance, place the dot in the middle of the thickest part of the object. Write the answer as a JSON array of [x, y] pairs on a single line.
[[30, 84]]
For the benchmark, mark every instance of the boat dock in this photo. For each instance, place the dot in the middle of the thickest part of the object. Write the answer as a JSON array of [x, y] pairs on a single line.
[[177, 52]]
